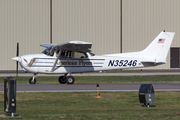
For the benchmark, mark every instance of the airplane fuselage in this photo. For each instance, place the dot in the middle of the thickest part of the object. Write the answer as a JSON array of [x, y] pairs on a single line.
[[41, 63]]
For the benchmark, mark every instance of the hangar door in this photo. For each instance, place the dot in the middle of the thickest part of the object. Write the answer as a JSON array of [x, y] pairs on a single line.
[[175, 58]]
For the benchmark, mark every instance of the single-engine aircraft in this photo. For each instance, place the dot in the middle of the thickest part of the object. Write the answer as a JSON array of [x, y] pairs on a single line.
[[76, 57]]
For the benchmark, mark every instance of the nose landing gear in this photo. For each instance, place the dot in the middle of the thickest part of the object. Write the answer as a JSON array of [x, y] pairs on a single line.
[[32, 80]]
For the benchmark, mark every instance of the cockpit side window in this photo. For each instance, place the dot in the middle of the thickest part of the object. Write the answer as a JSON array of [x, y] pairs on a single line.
[[52, 52], [68, 54], [65, 54], [80, 55]]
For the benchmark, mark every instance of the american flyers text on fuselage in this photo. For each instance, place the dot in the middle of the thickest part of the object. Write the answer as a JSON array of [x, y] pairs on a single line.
[[80, 62]]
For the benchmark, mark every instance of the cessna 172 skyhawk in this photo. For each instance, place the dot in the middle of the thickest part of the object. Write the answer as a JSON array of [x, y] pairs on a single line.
[[75, 57]]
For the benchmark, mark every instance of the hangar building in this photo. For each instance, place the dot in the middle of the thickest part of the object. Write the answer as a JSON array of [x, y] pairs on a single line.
[[113, 26]]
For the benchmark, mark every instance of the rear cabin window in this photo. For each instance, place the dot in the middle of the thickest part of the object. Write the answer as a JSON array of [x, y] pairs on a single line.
[[79, 55]]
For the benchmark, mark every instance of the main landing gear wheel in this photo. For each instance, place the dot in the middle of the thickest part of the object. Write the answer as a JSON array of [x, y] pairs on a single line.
[[70, 80], [62, 80], [31, 81]]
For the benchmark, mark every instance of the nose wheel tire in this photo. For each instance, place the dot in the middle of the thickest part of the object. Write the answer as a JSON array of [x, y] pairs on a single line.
[[62, 80], [70, 80], [31, 81]]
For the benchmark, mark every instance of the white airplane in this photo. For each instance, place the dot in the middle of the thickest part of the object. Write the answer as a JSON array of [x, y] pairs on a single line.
[[75, 57]]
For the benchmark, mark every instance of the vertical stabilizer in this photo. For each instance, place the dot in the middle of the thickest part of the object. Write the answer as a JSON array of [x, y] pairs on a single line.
[[159, 47]]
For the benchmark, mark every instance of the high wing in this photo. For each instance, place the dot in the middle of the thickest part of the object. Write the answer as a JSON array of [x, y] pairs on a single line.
[[70, 46], [47, 45], [73, 46]]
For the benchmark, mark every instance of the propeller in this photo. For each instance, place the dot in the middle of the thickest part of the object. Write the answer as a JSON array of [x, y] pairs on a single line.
[[17, 61]]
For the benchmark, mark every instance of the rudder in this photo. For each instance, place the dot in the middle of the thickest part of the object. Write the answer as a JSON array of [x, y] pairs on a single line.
[[159, 47]]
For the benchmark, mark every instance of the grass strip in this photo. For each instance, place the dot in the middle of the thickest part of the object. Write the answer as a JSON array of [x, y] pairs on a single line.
[[102, 79], [84, 106]]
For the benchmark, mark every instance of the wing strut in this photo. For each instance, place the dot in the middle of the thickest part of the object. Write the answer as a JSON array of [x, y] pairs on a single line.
[[56, 61]]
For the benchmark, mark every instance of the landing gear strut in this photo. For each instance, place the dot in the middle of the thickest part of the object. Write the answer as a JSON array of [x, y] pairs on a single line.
[[66, 79], [32, 80]]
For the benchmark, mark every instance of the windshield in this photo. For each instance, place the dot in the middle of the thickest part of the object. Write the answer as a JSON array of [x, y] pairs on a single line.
[[92, 54], [47, 51]]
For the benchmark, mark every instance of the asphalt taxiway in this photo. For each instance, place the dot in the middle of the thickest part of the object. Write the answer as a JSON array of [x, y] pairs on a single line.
[[98, 74], [91, 87]]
